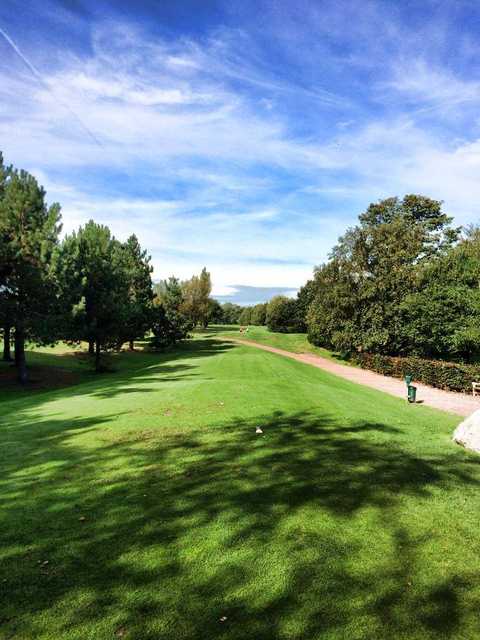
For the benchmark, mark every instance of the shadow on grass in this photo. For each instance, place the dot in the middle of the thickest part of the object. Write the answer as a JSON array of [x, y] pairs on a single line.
[[162, 535], [140, 368]]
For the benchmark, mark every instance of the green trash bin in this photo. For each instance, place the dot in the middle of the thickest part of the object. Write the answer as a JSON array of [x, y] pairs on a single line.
[[412, 393]]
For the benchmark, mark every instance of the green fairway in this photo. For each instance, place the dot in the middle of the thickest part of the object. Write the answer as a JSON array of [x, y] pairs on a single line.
[[141, 504], [294, 342]]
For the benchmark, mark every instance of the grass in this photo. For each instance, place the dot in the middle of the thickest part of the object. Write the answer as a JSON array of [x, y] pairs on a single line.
[[143, 505], [294, 342]]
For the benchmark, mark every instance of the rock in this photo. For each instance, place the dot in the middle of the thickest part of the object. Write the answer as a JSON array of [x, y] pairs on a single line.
[[468, 432], [258, 430]]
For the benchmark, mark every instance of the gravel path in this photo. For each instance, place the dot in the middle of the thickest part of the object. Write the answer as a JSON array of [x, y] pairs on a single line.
[[459, 403]]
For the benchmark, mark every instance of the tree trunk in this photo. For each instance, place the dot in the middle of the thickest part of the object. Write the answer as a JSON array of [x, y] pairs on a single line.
[[91, 347], [20, 356], [97, 356], [131, 345], [7, 356]]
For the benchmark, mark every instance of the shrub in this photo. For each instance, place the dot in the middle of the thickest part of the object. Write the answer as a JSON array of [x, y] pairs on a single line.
[[281, 315], [436, 373], [246, 316], [259, 312]]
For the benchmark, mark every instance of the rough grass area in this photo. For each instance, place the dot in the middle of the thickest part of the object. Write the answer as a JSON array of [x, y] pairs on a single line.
[[143, 505]]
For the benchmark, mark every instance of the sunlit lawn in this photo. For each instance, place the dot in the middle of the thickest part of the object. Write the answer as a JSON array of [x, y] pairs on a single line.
[[295, 342], [141, 504]]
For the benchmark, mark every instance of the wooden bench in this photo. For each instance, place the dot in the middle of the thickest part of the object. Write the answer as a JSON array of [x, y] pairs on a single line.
[[475, 388]]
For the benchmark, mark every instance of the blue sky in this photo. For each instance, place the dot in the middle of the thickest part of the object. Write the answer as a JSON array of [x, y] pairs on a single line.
[[244, 136]]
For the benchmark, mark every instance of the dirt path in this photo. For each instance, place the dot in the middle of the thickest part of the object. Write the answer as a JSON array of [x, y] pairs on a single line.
[[458, 403]]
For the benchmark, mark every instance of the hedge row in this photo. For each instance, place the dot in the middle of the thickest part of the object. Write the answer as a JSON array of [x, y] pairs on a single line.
[[443, 375]]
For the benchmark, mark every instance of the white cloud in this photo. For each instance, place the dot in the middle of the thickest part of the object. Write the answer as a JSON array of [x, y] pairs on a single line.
[[440, 88], [216, 175]]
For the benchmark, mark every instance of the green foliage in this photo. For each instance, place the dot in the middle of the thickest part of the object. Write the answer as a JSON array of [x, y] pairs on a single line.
[[305, 298], [443, 375], [281, 315], [245, 316], [28, 235], [95, 288], [259, 314], [360, 293], [169, 322], [231, 313], [137, 313], [215, 312], [196, 298], [442, 319]]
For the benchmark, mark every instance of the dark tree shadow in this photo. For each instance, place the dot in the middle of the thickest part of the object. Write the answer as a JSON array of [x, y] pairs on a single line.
[[163, 535]]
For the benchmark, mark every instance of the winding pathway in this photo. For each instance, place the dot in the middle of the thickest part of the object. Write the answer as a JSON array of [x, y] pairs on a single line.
[[458, 403]]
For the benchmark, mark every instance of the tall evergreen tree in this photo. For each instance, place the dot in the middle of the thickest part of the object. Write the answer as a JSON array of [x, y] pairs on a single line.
[[28, 234], [94, 284], [137, 315], [5, 311], [170, 323]]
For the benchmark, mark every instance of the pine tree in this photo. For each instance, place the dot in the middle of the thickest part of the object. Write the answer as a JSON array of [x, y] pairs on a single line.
[[170, 323], [94, 285], [138, 313], [28, 234]]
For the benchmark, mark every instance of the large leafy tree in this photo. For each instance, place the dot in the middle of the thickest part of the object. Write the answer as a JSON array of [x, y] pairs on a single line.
[[442, 318], [95, 288], [305, 298], [376, 266], [215, 312], [231, 313], [196, 298], [29, 231], [245, 317], [281, 314], [332, 315], [259, 314]]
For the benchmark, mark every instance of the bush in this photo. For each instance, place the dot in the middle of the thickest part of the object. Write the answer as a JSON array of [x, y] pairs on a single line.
[[436, 373], [246, 316], [281, 315], [259, 313]]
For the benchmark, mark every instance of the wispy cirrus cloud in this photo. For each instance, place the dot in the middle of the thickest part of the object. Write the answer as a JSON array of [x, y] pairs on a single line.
[[246, 147]]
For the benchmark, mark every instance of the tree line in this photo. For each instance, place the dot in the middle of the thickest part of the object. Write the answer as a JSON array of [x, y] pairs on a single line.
[[88, 287], [403, 282]]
